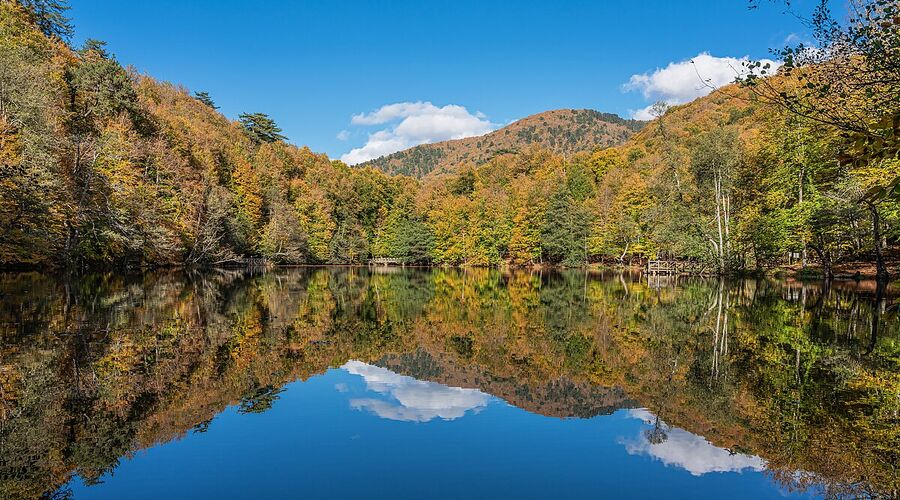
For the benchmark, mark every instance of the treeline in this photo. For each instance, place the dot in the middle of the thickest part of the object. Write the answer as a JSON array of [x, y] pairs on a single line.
[[103, 166], [725, 181]]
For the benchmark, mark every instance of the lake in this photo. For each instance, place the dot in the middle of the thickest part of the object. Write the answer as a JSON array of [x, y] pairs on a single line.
[[443, 383]]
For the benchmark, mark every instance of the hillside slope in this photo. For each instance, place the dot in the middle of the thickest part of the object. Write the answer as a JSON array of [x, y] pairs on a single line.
[[563, 131], [102, 166]]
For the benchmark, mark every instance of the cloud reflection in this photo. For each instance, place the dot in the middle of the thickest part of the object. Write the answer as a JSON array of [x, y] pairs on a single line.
[[688, 451], [410, 400]]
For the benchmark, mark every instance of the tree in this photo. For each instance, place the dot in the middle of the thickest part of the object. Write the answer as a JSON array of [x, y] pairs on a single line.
[[205, 99], [716, 156], [564, 231], [260, 399], [315, 220], [100, 88], [828, 229], [30, 181], [97, 47], [29, 221], [849, 80], [246, 186], [209, 244], [623, 230], [525, 237], [261, 128], [403, 235], [100, 92], [799, 172], [449, 221], [50, 17], [348, 245], [282, 238]]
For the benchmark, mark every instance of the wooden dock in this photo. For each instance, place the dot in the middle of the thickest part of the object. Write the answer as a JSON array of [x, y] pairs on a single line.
[[674, 267], [385, 262]]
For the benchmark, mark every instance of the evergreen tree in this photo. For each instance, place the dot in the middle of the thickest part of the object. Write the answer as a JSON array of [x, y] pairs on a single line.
[[564, 233], [50, 17], [205, 99], [261, 128], [97, 47]]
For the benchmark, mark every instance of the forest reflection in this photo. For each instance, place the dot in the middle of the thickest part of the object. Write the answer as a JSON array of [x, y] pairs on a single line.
[[799, 379]]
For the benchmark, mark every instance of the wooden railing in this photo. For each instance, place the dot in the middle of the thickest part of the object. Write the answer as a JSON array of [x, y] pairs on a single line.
[[385, 261], [674, 267]]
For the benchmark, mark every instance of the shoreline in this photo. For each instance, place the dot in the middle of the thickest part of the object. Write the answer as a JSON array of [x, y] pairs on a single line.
[[856, 271]]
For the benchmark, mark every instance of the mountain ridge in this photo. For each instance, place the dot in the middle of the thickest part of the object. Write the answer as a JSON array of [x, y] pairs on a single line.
[[562, 131]]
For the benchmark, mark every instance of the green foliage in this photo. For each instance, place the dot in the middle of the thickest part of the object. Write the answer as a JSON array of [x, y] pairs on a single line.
[[848, 83], [463, 184], [403, 235], [259, 400], [50, 16], [348, 245], [786, 371], [260, 128], [96, 47], [104, 167], [205, 99], [564, 232], [100, 90]]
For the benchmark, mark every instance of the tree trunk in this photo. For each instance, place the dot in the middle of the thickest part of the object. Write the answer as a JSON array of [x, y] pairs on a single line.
[[881, 273], [622, 257], [721, 245], [877, 311], [803, 256], [825, 258]]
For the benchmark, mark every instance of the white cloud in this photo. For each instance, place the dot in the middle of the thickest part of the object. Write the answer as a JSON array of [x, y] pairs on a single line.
[[684, 81], [644, 114], [791, 38], [689, 451], [412, 400], [390, 112], [343, 135], [413, 123]]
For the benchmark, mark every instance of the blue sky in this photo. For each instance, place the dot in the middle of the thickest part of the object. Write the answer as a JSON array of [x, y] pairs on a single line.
[[314, 65]]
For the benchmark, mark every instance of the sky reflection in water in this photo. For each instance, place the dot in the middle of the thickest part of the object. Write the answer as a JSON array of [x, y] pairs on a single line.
[[442, 383], [353, 429], [687, 451], [403, 398], [407, 399]]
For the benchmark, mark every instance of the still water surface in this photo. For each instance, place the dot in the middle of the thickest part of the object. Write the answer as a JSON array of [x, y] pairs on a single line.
[[340, 382]]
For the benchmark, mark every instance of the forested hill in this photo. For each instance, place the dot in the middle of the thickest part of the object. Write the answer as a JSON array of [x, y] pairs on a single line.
[[562, 131], [727, 180], [101, 166]]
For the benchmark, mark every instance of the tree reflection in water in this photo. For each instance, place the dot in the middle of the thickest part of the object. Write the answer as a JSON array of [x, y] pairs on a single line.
[[801, 380]]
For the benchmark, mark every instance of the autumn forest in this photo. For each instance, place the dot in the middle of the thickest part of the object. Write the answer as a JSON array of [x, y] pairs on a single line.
[[103, 166], [195, 304]]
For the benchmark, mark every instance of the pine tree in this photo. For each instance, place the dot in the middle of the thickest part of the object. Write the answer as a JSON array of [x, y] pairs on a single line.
[[205, 99], [49, 16], [261, 128], [98, 47]]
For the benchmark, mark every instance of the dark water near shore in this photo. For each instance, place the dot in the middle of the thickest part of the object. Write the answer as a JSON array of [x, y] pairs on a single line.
[[339, 382]]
